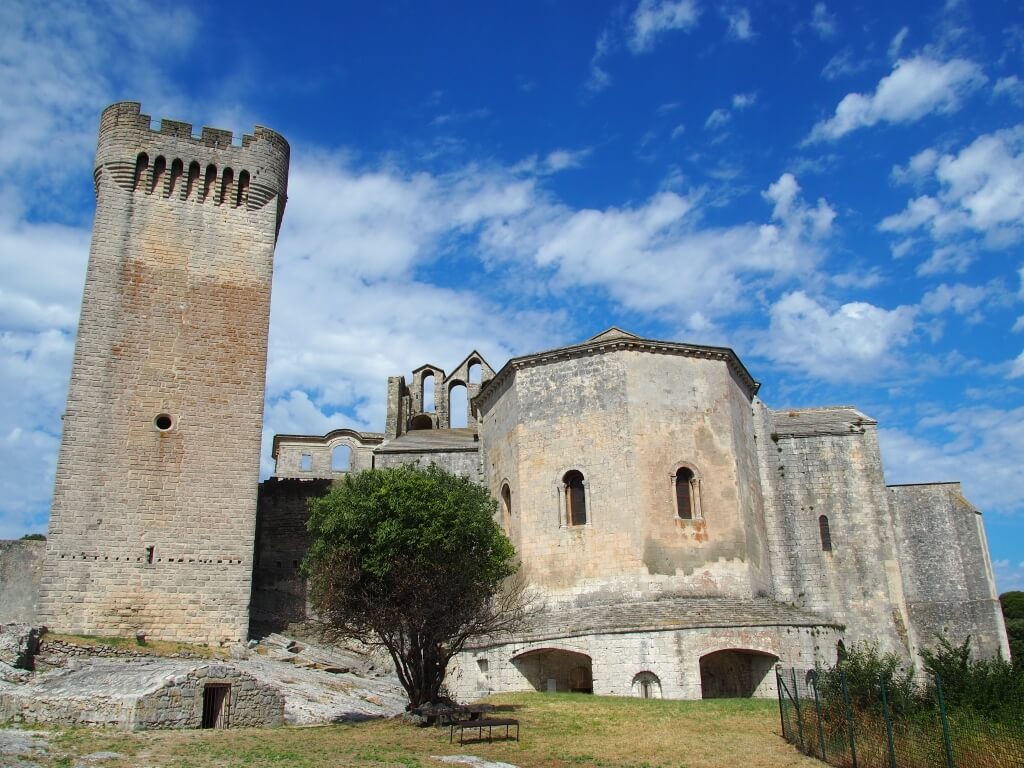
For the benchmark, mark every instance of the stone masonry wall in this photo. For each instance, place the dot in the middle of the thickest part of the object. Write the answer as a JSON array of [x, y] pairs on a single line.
[[947, 575], [21, 564], [826, 462], [464, 463], [151, 527], [627, 420], [279, 588]]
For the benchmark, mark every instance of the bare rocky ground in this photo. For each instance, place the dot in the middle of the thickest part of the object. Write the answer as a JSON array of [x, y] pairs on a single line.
[[320, 684]]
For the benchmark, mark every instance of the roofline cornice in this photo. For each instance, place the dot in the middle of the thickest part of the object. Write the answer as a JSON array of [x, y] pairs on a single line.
[[724, 354]]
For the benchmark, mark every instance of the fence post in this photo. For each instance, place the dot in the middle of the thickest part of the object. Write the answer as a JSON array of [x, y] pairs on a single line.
[[799, 716], [778, 688], [849, 718], [817, 710], [946, 742], [888, 723]]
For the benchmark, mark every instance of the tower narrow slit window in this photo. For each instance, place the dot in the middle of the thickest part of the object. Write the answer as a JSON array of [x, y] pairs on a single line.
[[825, 532], [227, 185], [575, 497], [243, 189], [209, 182], [177, 169], [193, 179]]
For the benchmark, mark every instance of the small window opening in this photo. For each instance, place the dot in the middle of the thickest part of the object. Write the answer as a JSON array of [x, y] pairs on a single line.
[[163, 422], [482, 665], [474, 372], [215, 697], [141, 164], [193, 178], [427, 392], [458, 406], [341, 458], [243, 189], [506, 506], [306, 462], [177, 169], [684, 493], [423, 421], [227, 185], [575, 497], [149, 555], [210, 181], [646, 685], [826, 534], [159, 167]]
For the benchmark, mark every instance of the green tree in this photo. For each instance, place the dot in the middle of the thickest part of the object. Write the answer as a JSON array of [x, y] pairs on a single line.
[[1013, 614], [413, 560]]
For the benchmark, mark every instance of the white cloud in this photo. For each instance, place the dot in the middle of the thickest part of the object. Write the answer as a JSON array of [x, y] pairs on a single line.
[[599, 78], [978, 445], [717, 119], [915, 88], [980, 191], [854, 341], [843, 64], [740, 26], [896, 44], [1012, 87], [652, 18], [1016, 367], [678, 131], [948, 258], [628, 251], [743, 100], [1009, 575], [958, 297], [822, 22]]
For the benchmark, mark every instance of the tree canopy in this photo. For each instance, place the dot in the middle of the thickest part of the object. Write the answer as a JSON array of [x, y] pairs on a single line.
[[411, 559]]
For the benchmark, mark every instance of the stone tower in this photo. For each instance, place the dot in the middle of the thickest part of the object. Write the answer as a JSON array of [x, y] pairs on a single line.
[[154, 506]]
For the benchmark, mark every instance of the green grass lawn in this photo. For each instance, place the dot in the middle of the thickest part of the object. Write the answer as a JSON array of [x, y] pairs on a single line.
[[557, 730]]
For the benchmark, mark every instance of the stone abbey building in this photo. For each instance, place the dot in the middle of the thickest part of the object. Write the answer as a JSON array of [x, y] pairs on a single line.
[[684, 535]]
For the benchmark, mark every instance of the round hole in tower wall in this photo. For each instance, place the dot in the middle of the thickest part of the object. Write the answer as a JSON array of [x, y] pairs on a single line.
[[163, 422]]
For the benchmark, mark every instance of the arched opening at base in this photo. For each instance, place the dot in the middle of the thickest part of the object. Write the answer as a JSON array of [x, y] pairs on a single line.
[[553, 670], [646, 685], [423, 421], [737, 674]]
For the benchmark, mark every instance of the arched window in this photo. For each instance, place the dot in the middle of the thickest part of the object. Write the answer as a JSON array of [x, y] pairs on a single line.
[[575, 497], [210, 181], [193, 177], [177, 169], [423, 421], [227, 185], [158, 172], [141, 164], [474, 372], [506, 506], [646, 685], [427, 392], [826, 534], [458, 406], [341, 458], [243, 188], [686, 494]]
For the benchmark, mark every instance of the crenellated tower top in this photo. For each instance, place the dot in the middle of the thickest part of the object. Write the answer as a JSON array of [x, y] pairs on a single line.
[[173, 163]]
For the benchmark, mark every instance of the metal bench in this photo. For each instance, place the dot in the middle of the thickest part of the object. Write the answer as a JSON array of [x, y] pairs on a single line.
[[484, 722]]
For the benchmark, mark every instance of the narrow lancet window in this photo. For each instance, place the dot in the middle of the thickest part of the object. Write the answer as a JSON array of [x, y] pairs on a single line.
[[826, 534], [684, 494], [158, 173], [243, 189], [209, 182], [141, 164], [575, 497], [177, 169]]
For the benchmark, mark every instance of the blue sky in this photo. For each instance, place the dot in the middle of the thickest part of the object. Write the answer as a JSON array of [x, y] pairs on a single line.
[[835, 190]]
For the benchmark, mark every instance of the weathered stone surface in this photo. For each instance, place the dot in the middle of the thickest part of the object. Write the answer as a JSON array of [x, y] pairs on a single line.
[[154, 506], [21, 564], [19, 644], [141, 694]]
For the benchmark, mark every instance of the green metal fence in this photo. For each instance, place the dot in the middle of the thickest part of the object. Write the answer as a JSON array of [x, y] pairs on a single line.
[[886, 728]]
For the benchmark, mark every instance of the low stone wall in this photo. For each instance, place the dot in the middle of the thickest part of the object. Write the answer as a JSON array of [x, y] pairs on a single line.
[[21, 564]]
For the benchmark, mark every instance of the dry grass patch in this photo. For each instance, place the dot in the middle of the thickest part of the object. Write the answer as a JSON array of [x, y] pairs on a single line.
[[557, 730]]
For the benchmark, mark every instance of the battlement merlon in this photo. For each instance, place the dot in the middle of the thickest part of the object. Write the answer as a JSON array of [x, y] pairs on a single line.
[[125, 131]]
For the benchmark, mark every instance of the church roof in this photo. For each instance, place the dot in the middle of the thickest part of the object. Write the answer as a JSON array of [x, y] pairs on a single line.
[[614, 339], [665, 614]]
